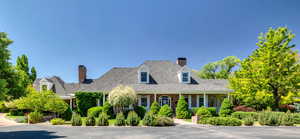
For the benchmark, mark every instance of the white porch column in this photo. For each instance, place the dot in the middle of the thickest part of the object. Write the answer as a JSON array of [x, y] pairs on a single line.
[[139, 100], [148, 102], [98, 102], [103, 98], [205, 100], [71, 103], [197, 101], [155, 97], [190, 101]]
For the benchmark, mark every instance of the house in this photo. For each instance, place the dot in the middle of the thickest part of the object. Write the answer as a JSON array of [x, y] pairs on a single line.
[[161, 81]]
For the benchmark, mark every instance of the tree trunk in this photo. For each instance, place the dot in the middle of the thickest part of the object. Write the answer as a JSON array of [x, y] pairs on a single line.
[[276, 98]]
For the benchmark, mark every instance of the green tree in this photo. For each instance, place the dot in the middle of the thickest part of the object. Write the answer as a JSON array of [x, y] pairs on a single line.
[[219, 69], [33, 74], [270, 73], [23, 66], [121, 97], [165, 110], [6, 70], [226, 108], [182, 109], [155, 107]]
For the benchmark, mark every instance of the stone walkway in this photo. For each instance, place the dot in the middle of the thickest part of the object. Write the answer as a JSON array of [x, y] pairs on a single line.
[[6, 122], [183, 122]]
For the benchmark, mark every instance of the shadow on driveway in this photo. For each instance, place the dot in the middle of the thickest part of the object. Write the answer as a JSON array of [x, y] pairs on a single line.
[[39, 134]]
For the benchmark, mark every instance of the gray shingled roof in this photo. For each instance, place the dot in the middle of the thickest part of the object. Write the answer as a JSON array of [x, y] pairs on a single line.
[[163, 78]]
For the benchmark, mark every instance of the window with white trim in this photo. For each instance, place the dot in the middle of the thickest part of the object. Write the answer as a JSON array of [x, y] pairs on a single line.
[[144, 101], [163, 100], [144, 77], [201, 101]]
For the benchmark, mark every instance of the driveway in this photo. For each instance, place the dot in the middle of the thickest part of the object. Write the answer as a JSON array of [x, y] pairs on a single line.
[[180, 132]]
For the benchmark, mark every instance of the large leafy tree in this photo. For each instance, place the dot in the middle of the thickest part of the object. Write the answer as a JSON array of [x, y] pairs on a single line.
[[121, 97], [219, 69], [270, 73]]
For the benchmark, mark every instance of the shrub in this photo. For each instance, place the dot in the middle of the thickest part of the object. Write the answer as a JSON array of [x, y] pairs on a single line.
[[35, 117], [57, 121], [164, 121], [244, 109], [296, 117], [155, 107], [67, 115], [102, 120], [86, 100], [203, 113], [149, 119], [242, 115], [213, 111], [83, 121], [108, 109], [3, 108], [120, 119], [182, 110], [76, 120], [140, 110], [270, 118], [226, 108], [194, 110], [90, 121], [132, 119], [248, 121], [94, 111], [223, 121], [16, 112], [287, 119], [165, 111]]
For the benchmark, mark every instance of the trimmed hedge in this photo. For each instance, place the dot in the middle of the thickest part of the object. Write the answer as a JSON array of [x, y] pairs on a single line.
[[165, 110], [16, 112], [203, 112], [270, 118], [67, 115], [57, 121], [222, 121], [140, 110], [86, 100], [95, 111], [249, 121], [213, 111], [108, 109], [242, 115]]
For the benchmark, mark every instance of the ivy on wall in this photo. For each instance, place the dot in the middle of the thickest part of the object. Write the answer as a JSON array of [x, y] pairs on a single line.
[[86, 100]]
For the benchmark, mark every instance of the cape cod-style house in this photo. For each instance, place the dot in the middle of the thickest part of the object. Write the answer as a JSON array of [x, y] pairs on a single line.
[[154, 80]]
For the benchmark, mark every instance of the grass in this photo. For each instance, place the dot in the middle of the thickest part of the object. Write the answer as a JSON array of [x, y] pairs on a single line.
[[188, 120], [15, 117]]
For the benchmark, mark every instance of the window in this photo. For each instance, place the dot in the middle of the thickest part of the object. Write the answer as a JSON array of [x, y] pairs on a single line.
[[144, 76], [44, 87], [165, 100], [144, 101], [185, 77], [201, 101]]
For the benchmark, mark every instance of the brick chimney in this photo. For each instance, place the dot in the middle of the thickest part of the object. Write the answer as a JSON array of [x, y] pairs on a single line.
[[181, 61], [81, 73]]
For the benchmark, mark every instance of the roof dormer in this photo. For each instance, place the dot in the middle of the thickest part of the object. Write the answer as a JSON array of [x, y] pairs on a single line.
[[143, 74], [184, 75], [45, 84]]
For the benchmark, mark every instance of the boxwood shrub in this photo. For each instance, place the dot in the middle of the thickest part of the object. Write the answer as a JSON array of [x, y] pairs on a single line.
[[213, 111], [67, 115], [140, 110], [57, 121], [223, 121], [242, 115], [35, 117], [203, 112], [155, 107], [270, 118]]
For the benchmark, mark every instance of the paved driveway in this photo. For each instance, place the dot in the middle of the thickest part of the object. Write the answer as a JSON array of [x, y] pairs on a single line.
[[182, 132]]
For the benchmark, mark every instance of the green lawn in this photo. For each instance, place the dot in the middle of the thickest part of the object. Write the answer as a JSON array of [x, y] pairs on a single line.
[[14, 117], [188, 120]]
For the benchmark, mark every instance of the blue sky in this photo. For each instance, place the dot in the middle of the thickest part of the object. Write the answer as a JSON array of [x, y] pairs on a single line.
[[58, 35]]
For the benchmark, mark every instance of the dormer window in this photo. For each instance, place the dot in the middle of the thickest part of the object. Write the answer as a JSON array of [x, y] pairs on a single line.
[[185, 77], [144, 77], [143, 74]]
